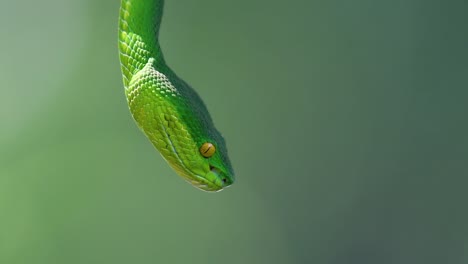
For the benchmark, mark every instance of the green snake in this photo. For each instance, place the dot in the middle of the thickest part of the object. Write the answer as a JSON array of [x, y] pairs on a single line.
[[168, 111]]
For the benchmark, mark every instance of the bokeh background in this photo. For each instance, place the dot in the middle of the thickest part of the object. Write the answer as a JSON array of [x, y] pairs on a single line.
[[346, 123]]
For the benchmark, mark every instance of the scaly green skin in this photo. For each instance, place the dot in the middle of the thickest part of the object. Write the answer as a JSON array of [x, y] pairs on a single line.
[[167, 109]]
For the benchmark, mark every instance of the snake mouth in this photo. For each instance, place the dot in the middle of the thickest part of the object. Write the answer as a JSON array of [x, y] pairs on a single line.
[[213, 181], [205, 185]]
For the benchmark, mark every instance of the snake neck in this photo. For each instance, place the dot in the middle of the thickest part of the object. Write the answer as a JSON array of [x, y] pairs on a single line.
[[139, 24]]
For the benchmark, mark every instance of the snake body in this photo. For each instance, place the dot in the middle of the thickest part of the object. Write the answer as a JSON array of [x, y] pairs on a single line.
[[168, 111]]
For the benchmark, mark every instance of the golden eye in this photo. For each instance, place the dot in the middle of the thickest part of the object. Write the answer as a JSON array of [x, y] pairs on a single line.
[[207, 150]]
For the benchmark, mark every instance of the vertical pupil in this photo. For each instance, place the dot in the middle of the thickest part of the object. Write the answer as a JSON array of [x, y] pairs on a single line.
[[207, 150]]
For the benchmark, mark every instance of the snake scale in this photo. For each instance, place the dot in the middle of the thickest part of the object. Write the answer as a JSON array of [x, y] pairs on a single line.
[[168, 111]]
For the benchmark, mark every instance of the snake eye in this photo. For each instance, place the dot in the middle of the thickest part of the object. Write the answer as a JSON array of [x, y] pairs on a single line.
[[207, 150]]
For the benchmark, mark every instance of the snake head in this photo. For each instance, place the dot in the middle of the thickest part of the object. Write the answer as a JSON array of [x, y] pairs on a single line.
[[178, 124], [208, 167], [197, 153]]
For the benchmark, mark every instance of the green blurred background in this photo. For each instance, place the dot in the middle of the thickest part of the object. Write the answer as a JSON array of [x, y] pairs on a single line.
[[346, 123]]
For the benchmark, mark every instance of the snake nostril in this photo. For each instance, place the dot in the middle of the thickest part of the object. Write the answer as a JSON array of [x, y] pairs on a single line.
[[224, 180]]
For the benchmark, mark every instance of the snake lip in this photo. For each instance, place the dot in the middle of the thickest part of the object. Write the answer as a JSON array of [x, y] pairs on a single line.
[[210, 186], [205, 185]]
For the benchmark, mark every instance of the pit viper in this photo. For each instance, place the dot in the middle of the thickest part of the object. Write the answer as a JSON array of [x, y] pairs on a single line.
[[168, 111]]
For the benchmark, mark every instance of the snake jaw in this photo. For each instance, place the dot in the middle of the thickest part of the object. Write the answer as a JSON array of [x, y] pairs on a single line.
[[213, 181], [205, 185]]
